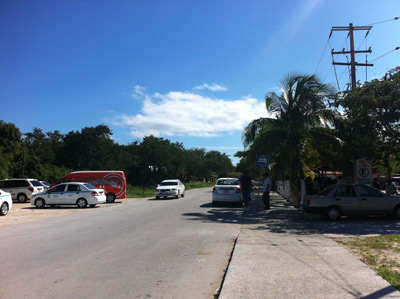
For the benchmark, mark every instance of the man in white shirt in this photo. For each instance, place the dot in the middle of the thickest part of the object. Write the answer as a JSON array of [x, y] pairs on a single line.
[[266, 189]]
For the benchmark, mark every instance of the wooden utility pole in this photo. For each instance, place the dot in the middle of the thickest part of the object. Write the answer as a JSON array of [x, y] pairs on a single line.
[[352, 52]]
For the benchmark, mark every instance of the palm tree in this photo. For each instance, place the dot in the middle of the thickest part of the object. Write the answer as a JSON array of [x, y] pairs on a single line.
[[299, 114]]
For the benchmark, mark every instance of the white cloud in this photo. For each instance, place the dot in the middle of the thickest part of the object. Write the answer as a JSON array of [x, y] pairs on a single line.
[[189, 114], [212, 87], [138, 91]]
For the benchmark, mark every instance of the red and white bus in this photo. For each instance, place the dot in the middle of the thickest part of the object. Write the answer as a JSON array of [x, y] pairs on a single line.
[[113, 182]]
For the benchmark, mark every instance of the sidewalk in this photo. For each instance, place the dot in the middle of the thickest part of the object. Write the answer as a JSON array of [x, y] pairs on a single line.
[[282, 254]]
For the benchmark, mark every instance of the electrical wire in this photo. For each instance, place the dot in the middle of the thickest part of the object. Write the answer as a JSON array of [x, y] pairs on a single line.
[[385, 54], [396, 18], [327, 42]]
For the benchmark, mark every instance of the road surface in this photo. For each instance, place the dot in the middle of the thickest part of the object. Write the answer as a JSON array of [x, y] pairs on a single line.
[[176, 248]]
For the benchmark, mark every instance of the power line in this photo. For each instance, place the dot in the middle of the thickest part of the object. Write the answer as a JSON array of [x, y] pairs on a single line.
[[396, 18], [385, 54]]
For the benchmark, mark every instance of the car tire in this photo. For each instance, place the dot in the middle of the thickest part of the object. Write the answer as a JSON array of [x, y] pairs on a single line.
[[40, 203], [183, 194], [215, 204], [333, 213], [22, 197], [178, 195], [110, 197], [157, 197], [396, 212], [4, 209], [81, 203]]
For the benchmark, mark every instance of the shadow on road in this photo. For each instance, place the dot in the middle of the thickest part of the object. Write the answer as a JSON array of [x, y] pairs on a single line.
[[283, 218]]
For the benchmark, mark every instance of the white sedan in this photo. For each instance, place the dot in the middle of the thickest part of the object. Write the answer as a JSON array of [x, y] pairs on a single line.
[[174, 188], [6, 202], [80, 194], [227, 190]]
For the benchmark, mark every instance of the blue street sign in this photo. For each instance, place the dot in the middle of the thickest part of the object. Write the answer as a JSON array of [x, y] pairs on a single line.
[[262, 161]]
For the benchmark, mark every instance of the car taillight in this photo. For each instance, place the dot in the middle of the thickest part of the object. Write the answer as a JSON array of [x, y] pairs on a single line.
[[214, 190], [238, 190], [308, 202], [31, 189], [94, 193]]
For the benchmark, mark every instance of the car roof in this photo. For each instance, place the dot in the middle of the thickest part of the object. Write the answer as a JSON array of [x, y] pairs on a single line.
[[173, 180]]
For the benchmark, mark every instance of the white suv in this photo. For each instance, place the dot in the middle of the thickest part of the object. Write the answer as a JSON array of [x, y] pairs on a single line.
[[21, 189]]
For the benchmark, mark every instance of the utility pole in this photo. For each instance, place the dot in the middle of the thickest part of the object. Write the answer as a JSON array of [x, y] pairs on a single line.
[[352, 52]]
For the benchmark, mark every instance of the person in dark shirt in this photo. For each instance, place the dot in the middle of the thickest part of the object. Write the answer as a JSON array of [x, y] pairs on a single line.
[[246, 185]]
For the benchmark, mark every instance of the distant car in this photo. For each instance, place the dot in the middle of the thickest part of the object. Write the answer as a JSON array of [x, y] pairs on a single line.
[[46, 185], [170, 188], [80, 194], [21, 189], [5, 202], [226, 190], [352, 199]]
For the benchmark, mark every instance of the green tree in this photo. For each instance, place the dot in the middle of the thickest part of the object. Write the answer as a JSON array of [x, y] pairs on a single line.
[[370, 127], [298, 115], [11, 150]]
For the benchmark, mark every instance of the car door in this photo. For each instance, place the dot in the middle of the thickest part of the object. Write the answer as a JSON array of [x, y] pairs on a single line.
[[345, 197], [72, 194], [56, 195], [372, 201]]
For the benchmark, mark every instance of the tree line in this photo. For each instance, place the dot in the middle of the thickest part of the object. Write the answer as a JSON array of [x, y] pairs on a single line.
[[48, 156]]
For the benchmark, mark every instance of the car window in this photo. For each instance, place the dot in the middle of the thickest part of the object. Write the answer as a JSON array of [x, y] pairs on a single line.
[[58, 188], [89, 186], [169, 184], [36, 184], [326, 190], [345, 191], [228, 182], [367, 191], [73, 188], [21, 183]]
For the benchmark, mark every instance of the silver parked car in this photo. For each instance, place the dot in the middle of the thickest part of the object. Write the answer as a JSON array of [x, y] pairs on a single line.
[[226, 190], [352, 199]]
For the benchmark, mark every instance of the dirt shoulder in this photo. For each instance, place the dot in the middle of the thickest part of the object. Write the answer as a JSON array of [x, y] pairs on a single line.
[[25, 212]]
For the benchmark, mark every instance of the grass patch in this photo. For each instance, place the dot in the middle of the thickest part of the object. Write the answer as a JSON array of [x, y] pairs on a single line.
[[138, 192], [381, 253]]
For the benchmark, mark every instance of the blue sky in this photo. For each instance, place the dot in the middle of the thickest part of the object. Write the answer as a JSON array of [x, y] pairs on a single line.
[[195, 72]]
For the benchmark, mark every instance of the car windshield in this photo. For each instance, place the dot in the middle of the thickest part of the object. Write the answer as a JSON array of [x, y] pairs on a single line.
[[36, 184], [89, 186], [169, 184], [228, 182]]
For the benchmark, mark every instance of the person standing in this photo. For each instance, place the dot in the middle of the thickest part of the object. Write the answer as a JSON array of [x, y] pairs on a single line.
[[266, 189], [245, 185]]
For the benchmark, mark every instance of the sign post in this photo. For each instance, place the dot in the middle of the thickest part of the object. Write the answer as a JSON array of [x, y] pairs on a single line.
[[262, 162], [363, 172]]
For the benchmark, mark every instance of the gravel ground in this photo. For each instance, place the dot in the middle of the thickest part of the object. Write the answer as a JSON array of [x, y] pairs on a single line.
[[25, 212]]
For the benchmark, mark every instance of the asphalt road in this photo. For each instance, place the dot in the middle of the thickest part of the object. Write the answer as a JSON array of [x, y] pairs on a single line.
[[175, 248]]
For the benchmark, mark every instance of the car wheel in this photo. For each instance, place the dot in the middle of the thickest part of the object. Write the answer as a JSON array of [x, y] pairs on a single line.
[[178, 195], [333, 213], [110, 197], [40, 203], [157, 197], [22, 197], [81, 202], [4, 209], [183, 194], [396, 212]]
